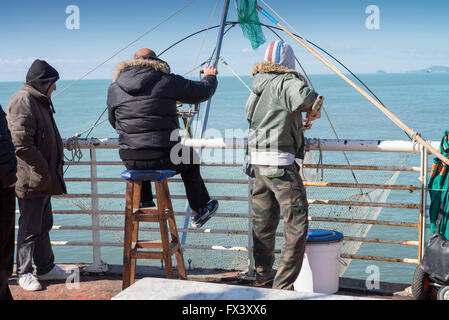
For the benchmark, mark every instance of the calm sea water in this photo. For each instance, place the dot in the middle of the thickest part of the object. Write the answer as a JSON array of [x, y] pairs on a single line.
[[419, 100]]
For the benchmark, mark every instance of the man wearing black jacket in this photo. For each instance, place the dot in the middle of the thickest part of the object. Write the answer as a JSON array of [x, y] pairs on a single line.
[[8, 170], [142, 108]]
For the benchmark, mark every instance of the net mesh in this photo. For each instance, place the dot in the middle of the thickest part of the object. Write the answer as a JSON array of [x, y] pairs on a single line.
[[229, 229], [249, 22]]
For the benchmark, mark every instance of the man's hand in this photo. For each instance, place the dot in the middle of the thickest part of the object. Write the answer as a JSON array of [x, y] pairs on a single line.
[[210, 71], [307, 124], [314, 116]]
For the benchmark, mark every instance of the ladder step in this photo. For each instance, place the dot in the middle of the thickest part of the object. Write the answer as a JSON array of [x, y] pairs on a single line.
[[150, 214], [146, 217], [147, 255], [153, 244], [149, 210]]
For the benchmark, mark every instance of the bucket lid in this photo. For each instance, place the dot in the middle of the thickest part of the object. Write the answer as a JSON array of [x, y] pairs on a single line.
[[322, 235]]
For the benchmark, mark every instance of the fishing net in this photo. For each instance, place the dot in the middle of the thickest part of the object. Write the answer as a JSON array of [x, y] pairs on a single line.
[[222, 243], [249, 22]]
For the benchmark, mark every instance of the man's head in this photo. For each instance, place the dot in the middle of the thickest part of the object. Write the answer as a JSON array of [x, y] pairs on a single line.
[[42, 77], [281, 53], [144, 54]]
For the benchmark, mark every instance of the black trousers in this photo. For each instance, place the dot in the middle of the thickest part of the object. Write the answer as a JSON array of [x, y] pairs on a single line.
[[33, 238], [7, 222], [189, 168]]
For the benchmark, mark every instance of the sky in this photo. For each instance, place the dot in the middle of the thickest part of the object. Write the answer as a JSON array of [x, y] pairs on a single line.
[[409, 35]]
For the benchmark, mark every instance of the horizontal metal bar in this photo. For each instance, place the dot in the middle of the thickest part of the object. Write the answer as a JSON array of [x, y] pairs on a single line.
[[246, 216], [228, 198], [314, 144], [360, 185], [362, 221], [218, 231], [245, 181], [122, 196], [383, 241], [229, 248], [373, 258], [365, 204], [360, 167]]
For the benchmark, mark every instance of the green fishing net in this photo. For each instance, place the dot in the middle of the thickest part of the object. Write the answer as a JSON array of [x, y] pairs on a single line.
[[249, 22]]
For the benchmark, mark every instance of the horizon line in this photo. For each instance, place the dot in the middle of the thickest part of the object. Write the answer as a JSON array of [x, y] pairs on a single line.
[[246, 75]]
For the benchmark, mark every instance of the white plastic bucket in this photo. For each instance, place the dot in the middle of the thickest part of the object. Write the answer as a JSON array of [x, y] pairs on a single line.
[[320, 268]]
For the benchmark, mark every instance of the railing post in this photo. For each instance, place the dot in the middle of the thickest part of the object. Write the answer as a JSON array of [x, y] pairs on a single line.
[[98, 266], [423, 202], [251, 266]]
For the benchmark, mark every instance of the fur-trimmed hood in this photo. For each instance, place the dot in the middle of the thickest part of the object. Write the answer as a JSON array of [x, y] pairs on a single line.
[[155, 64], [264, 72], [135, 75], [271, 67]]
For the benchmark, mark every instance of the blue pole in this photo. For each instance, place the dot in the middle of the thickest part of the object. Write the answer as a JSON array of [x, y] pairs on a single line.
[[207, 108], [216, 59]]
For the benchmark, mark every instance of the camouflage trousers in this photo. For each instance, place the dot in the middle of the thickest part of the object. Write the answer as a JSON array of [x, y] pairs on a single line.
[[276, 190]]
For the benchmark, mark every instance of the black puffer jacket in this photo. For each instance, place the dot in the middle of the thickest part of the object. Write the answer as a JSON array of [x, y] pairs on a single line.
[[142, 106], [8, 161]]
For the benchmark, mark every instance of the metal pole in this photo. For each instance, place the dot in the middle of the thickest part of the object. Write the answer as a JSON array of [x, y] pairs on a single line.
[[205, 116], [251, 264], [98, 266], [422, 206], [424, 202], [215, 64]]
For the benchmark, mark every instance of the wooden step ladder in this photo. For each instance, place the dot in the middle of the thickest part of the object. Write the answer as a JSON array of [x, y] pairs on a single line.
[[162, 214]]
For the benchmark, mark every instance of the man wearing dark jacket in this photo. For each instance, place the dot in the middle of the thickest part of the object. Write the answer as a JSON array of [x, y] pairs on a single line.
[[40, 155], [142, 108], [8, 170]]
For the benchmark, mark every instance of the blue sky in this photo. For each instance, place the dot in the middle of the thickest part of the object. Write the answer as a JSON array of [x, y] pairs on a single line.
[[412, 34]]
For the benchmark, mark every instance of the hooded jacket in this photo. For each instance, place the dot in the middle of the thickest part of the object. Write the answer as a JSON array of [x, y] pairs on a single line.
[[273, 109], [38, 144], [8, 161], [142, 106]]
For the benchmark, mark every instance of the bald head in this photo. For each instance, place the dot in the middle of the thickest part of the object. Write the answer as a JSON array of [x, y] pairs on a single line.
[[144, 53]]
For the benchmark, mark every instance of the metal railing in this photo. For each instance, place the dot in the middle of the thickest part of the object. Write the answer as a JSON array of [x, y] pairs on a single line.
[[323, 145]]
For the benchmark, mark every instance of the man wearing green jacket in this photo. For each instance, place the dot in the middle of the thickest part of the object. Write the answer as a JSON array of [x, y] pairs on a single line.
[[274, 111]]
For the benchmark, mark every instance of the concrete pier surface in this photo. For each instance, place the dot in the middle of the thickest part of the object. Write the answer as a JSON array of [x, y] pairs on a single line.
[[109, 285], [171, 289]]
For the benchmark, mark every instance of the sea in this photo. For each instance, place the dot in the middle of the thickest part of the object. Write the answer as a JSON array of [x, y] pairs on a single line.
[[419, 100]]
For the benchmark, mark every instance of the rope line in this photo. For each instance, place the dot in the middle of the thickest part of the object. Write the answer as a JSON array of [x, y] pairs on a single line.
[[235, 74], [125, 47], [205, 35]]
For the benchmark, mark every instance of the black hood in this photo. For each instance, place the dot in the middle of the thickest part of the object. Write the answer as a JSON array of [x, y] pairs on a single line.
[[138, 75], [41, 76], [138, 79]]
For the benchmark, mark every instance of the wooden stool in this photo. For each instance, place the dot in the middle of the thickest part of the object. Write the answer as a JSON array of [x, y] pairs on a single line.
[[161, 214]]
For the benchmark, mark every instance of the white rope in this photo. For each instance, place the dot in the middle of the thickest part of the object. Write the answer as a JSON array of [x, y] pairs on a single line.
[[235, 74], [125, 47]]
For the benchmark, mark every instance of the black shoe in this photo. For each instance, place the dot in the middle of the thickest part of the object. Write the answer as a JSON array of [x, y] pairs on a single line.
[[198, 220], [147, 204], [256, 279]]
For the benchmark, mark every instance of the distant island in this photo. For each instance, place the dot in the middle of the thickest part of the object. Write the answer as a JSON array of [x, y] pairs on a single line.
[[434, 69], [381, 72]]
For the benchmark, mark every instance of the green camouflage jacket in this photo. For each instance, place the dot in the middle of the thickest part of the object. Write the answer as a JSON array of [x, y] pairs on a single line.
[[274, 109]]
